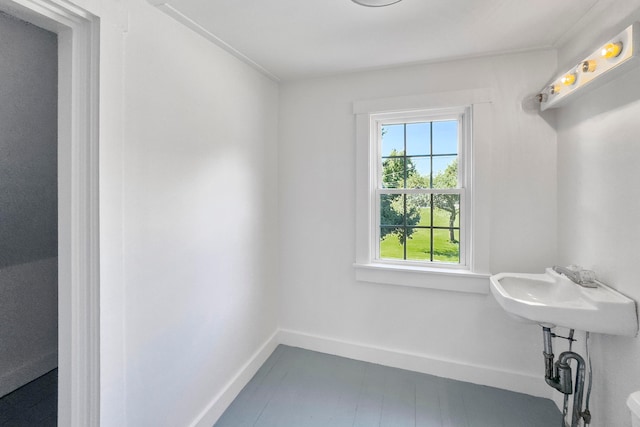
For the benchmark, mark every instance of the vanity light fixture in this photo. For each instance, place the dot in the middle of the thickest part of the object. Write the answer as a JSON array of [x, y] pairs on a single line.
[[375, 3], [601, 66]]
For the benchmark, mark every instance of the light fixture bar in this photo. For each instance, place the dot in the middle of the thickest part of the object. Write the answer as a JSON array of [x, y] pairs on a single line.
[[596, 69]]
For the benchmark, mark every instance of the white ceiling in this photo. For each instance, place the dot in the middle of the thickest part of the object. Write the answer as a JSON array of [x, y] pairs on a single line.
[[291, 39]]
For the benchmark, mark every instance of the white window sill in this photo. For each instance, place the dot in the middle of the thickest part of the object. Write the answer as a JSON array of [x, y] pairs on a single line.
[[424, 277]]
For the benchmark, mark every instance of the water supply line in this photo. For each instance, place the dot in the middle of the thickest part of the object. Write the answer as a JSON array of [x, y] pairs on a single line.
[[565, 403], [559, 376], [587, 418]]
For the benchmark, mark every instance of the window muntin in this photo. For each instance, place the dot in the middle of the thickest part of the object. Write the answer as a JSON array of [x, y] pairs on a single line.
[[420, 188]]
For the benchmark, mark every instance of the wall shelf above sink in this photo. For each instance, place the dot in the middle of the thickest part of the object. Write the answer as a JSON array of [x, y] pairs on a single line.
[[551, 299]]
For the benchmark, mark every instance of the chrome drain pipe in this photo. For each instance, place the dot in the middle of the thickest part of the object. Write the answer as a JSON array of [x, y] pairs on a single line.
[[548, 356], [563, 363], [558, 376]]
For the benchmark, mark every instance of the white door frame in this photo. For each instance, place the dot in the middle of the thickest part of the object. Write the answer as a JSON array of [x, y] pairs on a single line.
[[78, 204]]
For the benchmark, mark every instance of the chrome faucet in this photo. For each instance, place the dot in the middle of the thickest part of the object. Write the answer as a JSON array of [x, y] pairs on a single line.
[[586, 278]]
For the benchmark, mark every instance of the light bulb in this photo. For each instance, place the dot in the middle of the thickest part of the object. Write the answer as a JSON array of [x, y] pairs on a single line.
[[554, 89], [611, 50], [569, 79], [589, 66]]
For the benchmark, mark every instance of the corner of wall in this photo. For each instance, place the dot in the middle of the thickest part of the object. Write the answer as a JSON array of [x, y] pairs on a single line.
[[225, 397]]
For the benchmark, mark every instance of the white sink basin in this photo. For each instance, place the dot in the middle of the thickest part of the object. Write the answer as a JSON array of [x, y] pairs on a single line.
[[551, 299]]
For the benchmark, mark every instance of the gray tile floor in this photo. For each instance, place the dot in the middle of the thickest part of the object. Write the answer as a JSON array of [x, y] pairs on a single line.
[[300, 388], [32, 405]]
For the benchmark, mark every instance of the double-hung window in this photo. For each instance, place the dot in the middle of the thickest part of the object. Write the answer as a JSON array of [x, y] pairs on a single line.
[[422, 193], [420, 187]]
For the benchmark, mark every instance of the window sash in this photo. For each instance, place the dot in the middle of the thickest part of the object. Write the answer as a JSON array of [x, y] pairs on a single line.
[[462, 228], [461, 115], [419, 190]]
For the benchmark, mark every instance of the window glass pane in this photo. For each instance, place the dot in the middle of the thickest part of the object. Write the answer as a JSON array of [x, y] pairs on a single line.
[[445, 172], [446, 210], [419, 244], [444, 249], [425, 212], [445, 137], [417, 210], [414, 156], [392, 139], [391, 210], [418, 138], [390, 246], [418, 172], [393, 172]]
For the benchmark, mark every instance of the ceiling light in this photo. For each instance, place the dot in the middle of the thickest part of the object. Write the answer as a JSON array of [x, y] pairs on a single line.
[[375, 3]]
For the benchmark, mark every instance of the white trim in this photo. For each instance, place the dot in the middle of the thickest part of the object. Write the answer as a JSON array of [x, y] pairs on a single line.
[[424, 277], [78, 203], [464, 189], [230, 391], [194, 26], [519, 382]]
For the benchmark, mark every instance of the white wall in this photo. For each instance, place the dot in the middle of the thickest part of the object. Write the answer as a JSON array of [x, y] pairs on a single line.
[[200, 219], [28, 322], [28, 203], [599, 208], [319, 295], [188, 220]]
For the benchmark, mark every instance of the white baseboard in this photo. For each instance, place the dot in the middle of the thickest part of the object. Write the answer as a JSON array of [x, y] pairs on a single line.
[[28, 372], [456, 370], [221, 402], [452, 369]]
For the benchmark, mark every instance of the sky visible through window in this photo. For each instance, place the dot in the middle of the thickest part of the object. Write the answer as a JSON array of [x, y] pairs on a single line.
[[445, 141]]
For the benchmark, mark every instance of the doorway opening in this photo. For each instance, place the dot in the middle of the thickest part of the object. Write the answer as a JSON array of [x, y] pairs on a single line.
[[78, 260], [29, 222]]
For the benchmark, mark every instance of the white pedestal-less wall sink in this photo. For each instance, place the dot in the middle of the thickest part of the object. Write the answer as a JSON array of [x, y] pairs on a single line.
[[552, 299]]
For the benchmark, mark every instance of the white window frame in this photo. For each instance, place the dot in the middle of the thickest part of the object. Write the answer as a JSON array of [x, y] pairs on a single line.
[[463, 116], [471, 274]]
